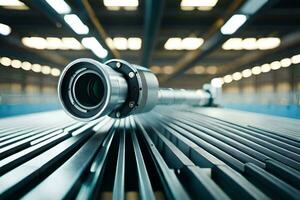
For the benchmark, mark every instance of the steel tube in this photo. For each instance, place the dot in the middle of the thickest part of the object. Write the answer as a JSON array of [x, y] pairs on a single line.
[[89, 89], [169, 96]]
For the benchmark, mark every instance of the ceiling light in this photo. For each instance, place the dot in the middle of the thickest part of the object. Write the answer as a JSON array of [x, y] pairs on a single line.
[[121, 3], [130, 8], [71, 43], [187, 8], [53, 43], [120, 43], [268, 43], [5, 61], [237, 76], [233, 43], [155, 69], [55, 72], [233, 24], [188, 43], [227, 79], [36, 68], [199, 69], [60, 6], [204, 8], [110, 43], [117, 4], [211, 70], [275, 65], [4, 29], [197, 3], [200, 4], [252, 6], [13, 4], [93, 44], [191, 43], [46, 70], [249, 44], [246, 73], [285, 62], [76, 24], [26, 65], [217, 82], [35, 42], [168, 69], [16, 64], [134, 43], [173, 44], [256, 70], [113, 8], [296, 59], [265, 68]]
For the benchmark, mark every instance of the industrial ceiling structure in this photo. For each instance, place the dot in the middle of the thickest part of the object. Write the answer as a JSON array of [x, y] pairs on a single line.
[[181, 42]]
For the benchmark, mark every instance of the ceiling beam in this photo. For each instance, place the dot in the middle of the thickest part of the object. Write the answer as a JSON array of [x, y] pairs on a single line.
[[152, 21]]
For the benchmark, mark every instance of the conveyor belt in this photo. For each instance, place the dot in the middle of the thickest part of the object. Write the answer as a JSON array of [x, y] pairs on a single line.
[[170, 153]]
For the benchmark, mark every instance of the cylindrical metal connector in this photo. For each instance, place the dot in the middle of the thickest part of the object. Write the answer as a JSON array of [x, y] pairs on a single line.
[[89, 89]]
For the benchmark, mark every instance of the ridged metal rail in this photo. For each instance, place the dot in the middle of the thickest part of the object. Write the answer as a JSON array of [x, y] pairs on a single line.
[[169, 153]]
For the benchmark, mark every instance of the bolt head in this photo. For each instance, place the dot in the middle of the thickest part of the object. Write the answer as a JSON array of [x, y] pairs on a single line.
[[118, 65], [131, 74], [131, 104], [118, 114]]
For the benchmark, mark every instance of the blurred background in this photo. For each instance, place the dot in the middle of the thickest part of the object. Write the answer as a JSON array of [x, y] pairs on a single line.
[[250, 49]]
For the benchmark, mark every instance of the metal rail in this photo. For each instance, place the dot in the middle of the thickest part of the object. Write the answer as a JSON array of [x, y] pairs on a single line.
[[164, 154]]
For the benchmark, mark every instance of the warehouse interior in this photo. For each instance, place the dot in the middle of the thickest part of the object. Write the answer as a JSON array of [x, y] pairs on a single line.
[[244, 53]]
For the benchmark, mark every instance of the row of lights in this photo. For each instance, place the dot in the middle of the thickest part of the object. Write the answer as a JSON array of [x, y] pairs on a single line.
[[52, 43], [203, 5], [121, 43], [27, 66], [188, 43], [115, 5], [211, 70], [251, 43], [135, 43], [186, 5], [66, 43], [267, 67], [61, 7], [193, 43]]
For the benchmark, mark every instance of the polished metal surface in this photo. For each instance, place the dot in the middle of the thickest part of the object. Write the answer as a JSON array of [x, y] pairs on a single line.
[[113, 94], [169, 96], [89, 89], [168, 153]]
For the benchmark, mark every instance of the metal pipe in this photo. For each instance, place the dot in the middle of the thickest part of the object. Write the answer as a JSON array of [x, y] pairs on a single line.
[[88, 89]]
